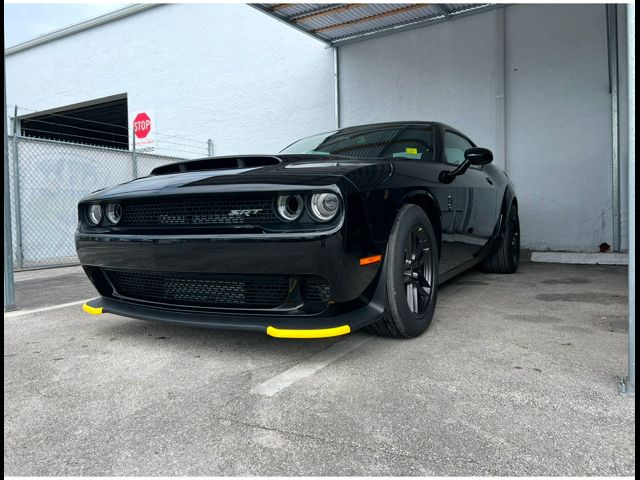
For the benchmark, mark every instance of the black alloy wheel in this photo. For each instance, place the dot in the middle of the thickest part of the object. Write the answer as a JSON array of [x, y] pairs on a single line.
[[418, 270], [411, 266]]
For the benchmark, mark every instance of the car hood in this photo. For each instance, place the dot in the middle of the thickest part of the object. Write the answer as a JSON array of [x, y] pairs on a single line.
[[253, 173]]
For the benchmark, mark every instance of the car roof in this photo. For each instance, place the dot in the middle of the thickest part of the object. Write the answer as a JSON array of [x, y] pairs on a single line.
[[369, 126], [393, 124], [366, 126]]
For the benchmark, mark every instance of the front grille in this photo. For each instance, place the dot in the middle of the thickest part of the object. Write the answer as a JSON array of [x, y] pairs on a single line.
[[316, 290], [201, 289], [198, 211]]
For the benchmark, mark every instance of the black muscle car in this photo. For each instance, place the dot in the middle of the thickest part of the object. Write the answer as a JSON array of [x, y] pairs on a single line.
[[347, 229]]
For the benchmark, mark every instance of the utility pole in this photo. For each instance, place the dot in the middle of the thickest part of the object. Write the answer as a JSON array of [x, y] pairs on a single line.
[[628, 386], [9, 291]]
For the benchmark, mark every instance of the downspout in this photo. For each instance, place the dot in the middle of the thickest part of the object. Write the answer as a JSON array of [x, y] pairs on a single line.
[[612, 44], [501, 128], [336, 85]]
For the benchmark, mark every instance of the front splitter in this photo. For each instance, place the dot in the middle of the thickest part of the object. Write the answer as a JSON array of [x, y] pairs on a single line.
[[313, 326]]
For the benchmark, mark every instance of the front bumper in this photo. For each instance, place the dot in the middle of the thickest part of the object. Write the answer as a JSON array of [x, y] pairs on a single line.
[[332, 255], [356, 299], [281, 326]]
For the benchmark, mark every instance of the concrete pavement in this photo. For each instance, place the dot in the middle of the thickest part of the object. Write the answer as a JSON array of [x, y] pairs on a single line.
[[517, 375]]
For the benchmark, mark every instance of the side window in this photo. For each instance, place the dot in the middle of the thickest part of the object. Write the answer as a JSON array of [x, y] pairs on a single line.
[[454, 148]]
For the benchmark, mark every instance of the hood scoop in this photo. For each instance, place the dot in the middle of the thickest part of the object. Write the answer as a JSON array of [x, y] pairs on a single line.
[[217, 163]]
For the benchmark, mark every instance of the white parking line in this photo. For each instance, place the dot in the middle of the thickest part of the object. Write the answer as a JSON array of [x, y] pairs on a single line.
[[309, 366], [21, 313]]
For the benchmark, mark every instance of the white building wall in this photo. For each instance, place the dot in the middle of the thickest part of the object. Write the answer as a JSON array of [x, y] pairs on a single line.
[[558, 142], [445, 72], [222, 71], [559, 124]]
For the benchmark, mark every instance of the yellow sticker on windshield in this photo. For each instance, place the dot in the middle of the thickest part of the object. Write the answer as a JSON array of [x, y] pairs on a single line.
[[413, 151]]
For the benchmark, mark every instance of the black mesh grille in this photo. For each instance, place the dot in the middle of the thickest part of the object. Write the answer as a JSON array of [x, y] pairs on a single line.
[[198, 211], [201, 289], [316, 290]]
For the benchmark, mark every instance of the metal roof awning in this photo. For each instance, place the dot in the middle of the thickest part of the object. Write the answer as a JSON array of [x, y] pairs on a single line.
[[338, 23]]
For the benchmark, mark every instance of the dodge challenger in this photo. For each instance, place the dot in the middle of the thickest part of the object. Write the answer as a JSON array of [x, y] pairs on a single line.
[[339, 231]]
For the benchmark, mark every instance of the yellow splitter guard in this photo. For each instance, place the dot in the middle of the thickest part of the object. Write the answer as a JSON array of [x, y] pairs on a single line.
[[97, 307]]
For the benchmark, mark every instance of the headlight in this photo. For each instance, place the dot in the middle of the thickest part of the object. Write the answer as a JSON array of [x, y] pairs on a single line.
[[94, 214], [289, 207], [324, 206], [114, 212]]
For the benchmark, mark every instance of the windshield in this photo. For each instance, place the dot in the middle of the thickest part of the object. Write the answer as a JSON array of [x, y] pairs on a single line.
[[398, 141]]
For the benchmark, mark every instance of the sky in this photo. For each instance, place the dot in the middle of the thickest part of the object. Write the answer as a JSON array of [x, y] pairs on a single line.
[[24, 21]]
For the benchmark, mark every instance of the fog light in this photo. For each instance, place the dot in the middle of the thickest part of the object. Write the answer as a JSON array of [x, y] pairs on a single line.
[[94, 214], [114, 212], [289, 207], [324, 206]]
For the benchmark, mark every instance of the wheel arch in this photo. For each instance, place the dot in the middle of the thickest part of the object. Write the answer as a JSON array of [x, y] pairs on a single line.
[[508, 199], [430, 206]]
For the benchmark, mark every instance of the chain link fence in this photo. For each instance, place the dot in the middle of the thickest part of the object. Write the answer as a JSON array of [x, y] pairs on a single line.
[[48, 178]]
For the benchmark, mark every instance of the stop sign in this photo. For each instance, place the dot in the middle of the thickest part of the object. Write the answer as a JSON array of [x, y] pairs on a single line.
[[141, 125]]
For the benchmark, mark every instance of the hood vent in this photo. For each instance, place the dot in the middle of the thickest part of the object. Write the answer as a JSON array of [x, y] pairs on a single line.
[[216, 163]]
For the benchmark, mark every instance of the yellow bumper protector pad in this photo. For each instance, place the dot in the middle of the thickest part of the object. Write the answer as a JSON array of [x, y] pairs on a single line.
[[315, 333], [92, 310]]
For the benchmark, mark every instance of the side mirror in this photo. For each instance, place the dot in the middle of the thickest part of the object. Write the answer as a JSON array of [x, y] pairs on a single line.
[[472, 156], [478, 156]]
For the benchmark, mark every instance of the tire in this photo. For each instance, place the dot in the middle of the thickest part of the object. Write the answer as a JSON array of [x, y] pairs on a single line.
[[507, 258], [415, 282]]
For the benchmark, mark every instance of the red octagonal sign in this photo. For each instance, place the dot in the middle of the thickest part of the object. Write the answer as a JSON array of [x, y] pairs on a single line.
[[141, 125]]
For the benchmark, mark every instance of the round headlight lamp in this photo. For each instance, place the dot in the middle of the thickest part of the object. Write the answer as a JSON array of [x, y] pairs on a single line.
[[94, 214], [324, 206], [114, 212], [289, 207]]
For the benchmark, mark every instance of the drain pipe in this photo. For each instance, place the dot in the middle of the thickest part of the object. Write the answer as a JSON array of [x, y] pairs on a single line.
[[501, 128], [612, 44], [336, 85]]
